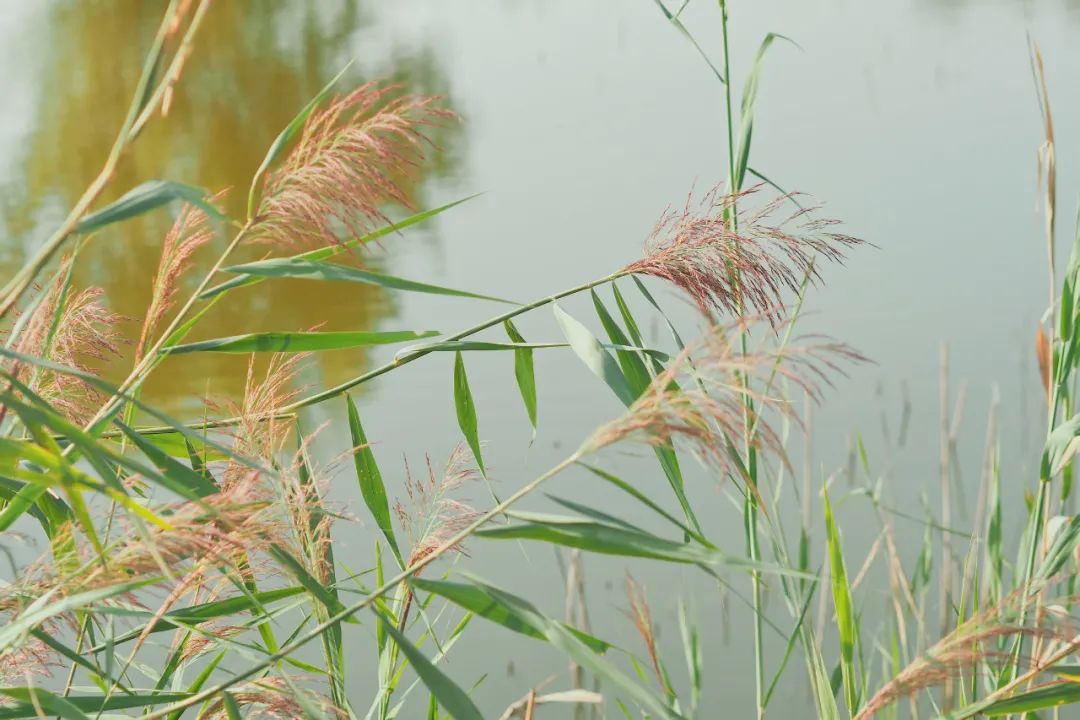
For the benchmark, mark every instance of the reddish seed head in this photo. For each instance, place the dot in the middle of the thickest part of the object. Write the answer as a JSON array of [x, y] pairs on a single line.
[[742, 269], [350, 160]]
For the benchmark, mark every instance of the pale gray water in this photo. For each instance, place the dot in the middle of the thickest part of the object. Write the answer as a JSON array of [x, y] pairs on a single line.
[[916, 122]]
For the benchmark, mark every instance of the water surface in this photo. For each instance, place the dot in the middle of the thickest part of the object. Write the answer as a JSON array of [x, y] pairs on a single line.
[[915, 122]]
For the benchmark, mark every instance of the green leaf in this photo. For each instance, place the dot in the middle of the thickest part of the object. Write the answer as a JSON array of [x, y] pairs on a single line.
[[633, 367], [1061, 445], [746, 121], [48, 701], [559, 637], [645, 500], [845, 611], [370, 479], [331, 250], [72, 707], [318, 270], [307, 580], [622, 541], [289, 342], [451, 697], [82, 703], [477, 600], [1061, 550], [1041, 699], [197, 614], [144, 198], [524, 373], [593, 354], [466, 410], [232, 710], [673, 18], [175, 475]]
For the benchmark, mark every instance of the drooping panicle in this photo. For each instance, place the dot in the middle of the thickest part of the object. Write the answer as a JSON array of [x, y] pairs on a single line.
[[700, 399], [430, 515], [190, 231], [734, 257], [351, 159], [73, 328]]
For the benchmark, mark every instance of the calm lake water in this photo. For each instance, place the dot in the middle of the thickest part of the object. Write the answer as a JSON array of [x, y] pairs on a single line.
[[915, 122]]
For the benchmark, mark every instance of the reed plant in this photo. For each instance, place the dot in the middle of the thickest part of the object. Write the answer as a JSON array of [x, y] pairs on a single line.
[[191, 564]]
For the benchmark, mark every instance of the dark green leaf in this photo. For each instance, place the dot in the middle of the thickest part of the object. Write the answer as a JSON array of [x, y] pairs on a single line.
[[466, 410], [476, 599], [370, 479], [524, 373], [146, 197], [319, 270], [452, 698]]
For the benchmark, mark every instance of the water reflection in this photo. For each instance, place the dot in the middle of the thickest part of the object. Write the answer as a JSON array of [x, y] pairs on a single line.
[[250, 72]]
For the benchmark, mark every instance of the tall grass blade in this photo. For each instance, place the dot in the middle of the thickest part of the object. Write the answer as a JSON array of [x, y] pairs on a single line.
[[294, 342], [450, 696], [144, 198], [319, 270], [466, 410], [370, 479], [845, 612]]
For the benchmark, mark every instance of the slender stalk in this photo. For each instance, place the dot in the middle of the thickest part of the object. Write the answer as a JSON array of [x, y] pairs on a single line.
[[750, 508], [292, 408], [139, 112], [152, 356], [417, 354], [339, 617]]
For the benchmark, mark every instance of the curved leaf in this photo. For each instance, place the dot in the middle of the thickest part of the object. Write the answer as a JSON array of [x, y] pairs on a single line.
[[144, 198], [319, 270], [370, 479], [451, 697], [290, 342], [466, 410]]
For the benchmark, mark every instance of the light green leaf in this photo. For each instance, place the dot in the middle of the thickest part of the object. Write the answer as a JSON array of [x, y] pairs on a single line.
[[477, 600], [289, 342], [1048, 697], [593, 354], [144, 198], [845, 611], [466, 410], [370, 479], [319, 270], [75, 706], [451, 697], [331, 250], [746, 122], [559, 637], [524, 373]]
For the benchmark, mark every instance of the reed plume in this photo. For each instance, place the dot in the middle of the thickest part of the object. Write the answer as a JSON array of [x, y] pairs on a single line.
[[641, 615], [431, 517], [190, 231], [260, 432], [741, 271], [351, 159], [212, 534], [272, 699], [980, 640], [26, 664], [73, 328], [701, 397]]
